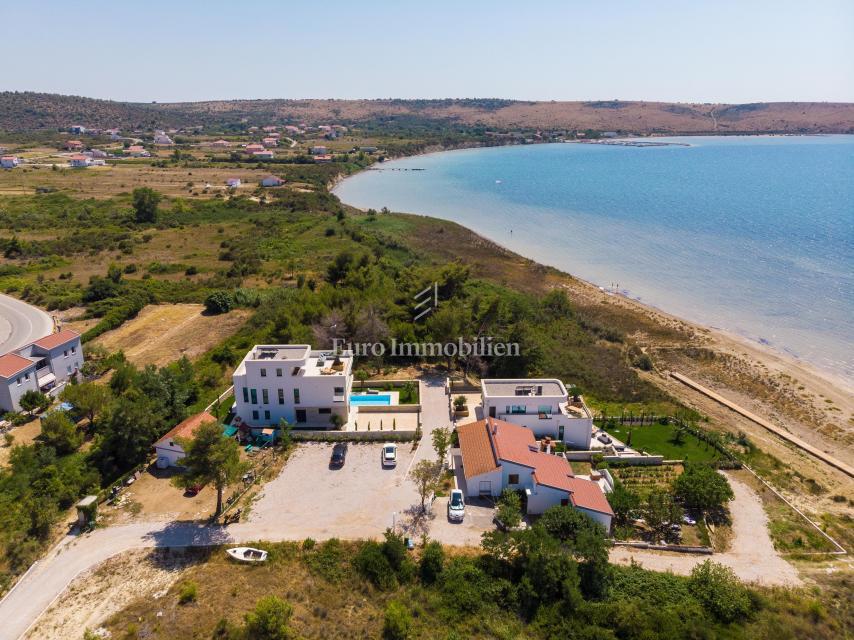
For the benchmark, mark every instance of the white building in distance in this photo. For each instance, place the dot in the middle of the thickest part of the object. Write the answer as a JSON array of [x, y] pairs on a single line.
[[39, 366]]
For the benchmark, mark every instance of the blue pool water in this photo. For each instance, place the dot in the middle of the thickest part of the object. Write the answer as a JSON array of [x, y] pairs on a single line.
[[378, 399], [754, 235]]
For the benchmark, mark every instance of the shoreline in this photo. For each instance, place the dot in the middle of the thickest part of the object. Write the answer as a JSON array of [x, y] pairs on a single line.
[[754, 344], [810, 402]]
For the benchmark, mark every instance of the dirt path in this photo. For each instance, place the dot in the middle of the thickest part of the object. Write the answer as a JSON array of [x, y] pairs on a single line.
[[752, 555], [106, 589]]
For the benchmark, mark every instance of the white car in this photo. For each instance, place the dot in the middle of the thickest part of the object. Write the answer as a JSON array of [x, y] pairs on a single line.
[[456, 506], [389, 455]]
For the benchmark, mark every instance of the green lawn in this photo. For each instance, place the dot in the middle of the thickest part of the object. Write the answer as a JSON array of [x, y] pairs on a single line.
[[660, 439]]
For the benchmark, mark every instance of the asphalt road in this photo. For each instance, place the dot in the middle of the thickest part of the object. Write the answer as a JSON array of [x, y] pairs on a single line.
[[21, 323]]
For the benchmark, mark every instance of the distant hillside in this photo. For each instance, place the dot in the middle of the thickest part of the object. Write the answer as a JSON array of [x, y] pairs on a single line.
[[24, 111]]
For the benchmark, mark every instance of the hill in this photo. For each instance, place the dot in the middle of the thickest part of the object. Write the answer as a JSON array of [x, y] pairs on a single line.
[[27, 111]]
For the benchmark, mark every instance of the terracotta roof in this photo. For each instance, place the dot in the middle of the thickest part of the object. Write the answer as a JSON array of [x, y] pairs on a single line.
[[589, 495], [476, 449], [56, 339], [486, 443], [12, 364], [188, 427]]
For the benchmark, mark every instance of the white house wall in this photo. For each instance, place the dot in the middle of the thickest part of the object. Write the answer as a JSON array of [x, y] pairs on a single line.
[[577, 432], [11, 391], [602, 518], [173, 454], [473, 485], [316, 392]]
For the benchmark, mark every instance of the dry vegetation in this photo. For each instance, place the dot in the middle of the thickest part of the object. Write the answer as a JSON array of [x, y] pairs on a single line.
[[124, 177], [161, 334], [25, 110]]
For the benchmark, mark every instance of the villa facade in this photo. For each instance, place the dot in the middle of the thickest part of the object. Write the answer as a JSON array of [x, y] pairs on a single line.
[[306, 388], [542, 405]]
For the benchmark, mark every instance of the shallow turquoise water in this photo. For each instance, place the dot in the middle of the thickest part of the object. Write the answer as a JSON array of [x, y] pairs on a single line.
[[754, 235], [357, 399]]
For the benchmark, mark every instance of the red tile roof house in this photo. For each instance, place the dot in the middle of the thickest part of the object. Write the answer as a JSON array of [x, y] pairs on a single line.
[[73, 145], [263, 155], [252, 148], [169, 451], [39, 366], [497, 455], [79, 161], [8, 162]]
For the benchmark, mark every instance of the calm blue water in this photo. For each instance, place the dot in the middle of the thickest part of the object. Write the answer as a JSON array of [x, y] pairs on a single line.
[[754, 235], [358, 399]]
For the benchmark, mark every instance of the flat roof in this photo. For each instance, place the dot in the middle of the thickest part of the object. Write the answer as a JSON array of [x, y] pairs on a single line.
[[307, 360], [523, 387]]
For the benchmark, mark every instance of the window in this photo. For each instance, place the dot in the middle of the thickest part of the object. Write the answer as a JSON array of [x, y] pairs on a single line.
[[278, 373], [73, 349], [254, 415], [281, 396], [65, 353], [545, 408], [68, 369], [338, 392], [26, 376], [266, 415], [263, 373], [296, 396], [265, 397], [513, 478], [324, 411], [19, 381], [254, 395], [245, 394], [516, 408], [564, 502]]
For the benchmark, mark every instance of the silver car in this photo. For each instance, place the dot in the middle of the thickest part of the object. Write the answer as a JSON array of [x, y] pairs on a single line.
[[456, 506]]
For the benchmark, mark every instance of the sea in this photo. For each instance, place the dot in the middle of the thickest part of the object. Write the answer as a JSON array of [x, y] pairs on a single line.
[[753, 235]]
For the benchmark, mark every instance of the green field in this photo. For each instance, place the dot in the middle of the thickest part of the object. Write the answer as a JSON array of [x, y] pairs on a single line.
[[661, 439]]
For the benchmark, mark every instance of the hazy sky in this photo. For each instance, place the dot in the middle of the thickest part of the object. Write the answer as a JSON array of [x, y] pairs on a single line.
[[679, 50]]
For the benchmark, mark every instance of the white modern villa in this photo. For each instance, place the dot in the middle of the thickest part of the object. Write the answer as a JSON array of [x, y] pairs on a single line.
[[305, 387], [39, 366], [542, 405]]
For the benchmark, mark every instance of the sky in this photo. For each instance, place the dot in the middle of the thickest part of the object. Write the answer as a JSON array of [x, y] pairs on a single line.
[[668, 50]]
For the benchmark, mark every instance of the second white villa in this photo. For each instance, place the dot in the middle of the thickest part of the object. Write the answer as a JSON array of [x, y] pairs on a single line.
[[292, 382], [542, 405]]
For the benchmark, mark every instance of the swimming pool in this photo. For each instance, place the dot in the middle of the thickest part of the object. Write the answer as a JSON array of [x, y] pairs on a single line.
[[372, 399]]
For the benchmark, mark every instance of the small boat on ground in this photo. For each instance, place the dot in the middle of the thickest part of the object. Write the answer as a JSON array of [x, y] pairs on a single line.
[[247, 554]]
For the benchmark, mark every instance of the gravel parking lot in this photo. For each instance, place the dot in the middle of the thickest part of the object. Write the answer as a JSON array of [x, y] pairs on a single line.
[[360, 500]]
